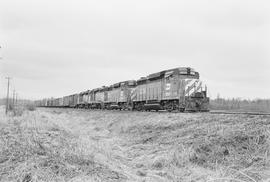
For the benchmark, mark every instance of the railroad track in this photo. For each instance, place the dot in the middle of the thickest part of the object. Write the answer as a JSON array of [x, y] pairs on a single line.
[[238, 112], [211, 112]]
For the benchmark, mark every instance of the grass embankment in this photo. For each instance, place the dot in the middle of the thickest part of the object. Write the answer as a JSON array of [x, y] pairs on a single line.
[[71, 145], [35, 149]]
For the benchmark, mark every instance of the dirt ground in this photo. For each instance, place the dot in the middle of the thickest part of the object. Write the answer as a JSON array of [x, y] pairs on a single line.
[[84, 145]]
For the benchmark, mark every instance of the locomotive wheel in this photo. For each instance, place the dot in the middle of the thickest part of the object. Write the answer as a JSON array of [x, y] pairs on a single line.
[[182, 109], [169, 107], [136, 107], [141, 108]]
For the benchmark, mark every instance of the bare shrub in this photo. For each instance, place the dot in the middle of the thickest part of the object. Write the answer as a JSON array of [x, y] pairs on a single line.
[[17, 111], [30, 107]]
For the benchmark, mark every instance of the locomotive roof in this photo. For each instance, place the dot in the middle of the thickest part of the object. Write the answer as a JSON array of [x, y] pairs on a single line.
[[95, 89], [180, 69], [128, 81], [116, 85], [84, 92], [142, 79], [156, 75], [102, 88]]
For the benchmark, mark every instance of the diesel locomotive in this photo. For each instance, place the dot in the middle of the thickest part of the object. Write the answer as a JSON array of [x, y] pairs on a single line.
[[178, 89]]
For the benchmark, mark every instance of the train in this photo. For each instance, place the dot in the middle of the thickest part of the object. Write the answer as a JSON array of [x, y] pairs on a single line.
[[178, 89]]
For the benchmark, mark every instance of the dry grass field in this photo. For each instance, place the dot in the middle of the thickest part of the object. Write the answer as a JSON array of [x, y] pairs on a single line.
[[82, 145]]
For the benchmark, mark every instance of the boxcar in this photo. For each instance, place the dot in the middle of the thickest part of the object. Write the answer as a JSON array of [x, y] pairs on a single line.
[[58, 102], [61, 102], [73, 100], [65, 101], [86, 98], [43, 103], [54, 103]]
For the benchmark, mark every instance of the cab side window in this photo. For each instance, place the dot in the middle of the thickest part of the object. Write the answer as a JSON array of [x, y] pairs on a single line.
[[169, 78]]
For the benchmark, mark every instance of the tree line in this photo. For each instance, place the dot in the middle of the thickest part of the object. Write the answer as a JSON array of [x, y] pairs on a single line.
[[238, 104]]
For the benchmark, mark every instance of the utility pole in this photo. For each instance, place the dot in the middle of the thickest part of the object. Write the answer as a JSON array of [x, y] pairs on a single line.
[[0, 56], [7, 104], [13, 98], [16, 101]]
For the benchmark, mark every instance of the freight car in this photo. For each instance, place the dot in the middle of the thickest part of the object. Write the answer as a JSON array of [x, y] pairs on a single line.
[[178, 89]]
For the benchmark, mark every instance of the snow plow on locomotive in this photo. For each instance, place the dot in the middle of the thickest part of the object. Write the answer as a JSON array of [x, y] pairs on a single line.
[[178, 89]]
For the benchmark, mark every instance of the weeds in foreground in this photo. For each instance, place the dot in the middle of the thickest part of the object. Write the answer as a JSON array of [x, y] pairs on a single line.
[[28, 153], [167, 147], [236, 148]]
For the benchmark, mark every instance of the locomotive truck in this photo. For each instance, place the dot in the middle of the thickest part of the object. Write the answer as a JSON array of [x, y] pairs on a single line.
[[178, 89]]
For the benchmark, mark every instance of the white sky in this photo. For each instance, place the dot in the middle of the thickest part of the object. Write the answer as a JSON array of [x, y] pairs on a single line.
[[53, 48]]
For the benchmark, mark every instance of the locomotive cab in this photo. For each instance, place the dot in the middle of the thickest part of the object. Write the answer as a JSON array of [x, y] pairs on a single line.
[[184, 91]]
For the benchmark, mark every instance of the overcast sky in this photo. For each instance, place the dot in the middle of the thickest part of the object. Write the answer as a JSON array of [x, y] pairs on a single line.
[[53, 48]]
